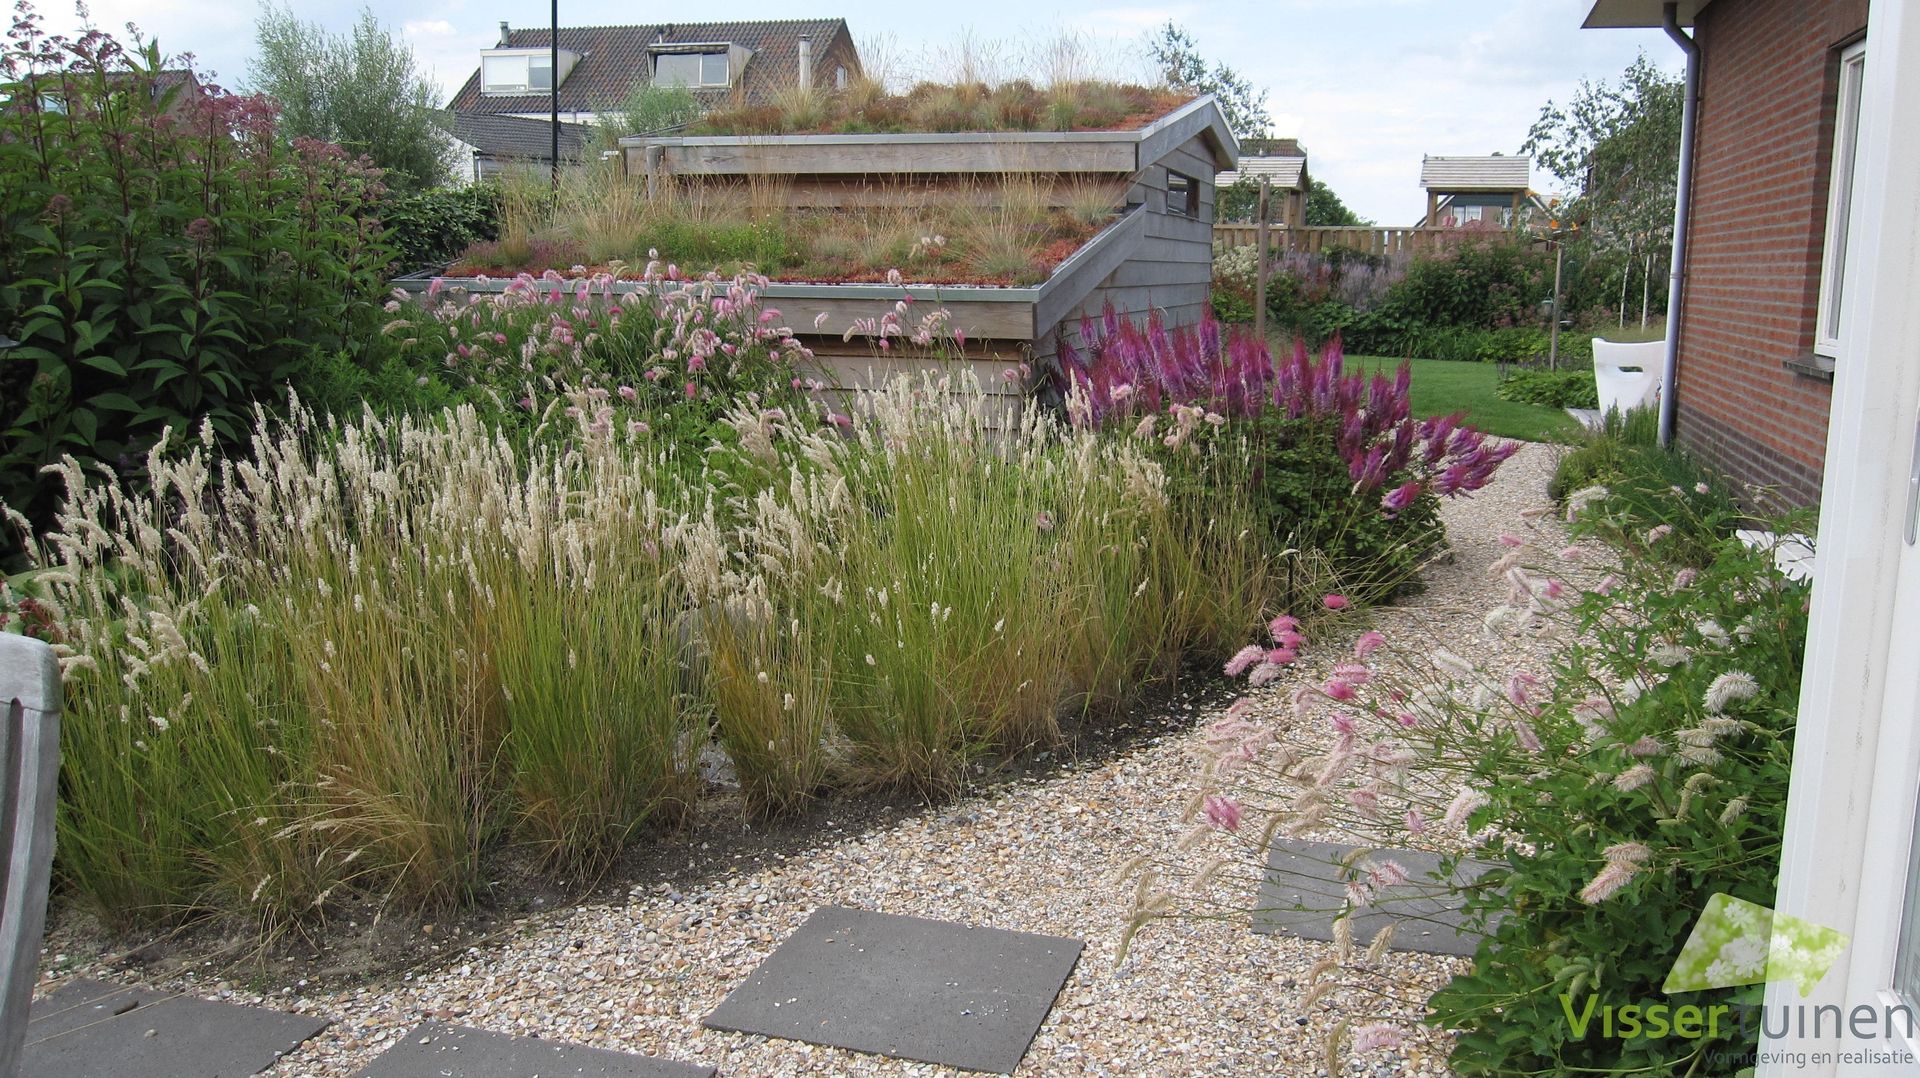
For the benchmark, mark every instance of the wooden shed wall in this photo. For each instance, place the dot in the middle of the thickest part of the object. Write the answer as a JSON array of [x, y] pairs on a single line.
[[1171, 266]]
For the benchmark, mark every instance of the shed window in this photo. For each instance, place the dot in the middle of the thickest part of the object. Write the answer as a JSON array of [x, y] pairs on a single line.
[[1840, 191], [1183, 194]]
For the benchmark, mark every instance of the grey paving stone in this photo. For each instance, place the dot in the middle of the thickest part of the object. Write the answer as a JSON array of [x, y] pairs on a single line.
[[1305, 890], [438, 1050], [88, 1029], [906, 987]]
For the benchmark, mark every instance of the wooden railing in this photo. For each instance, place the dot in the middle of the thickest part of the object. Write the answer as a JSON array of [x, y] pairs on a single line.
[[1376, 241]]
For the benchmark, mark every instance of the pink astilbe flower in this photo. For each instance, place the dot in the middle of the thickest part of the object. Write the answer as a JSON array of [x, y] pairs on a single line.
[[1397, 499], [1222, 812], [1368, 643]]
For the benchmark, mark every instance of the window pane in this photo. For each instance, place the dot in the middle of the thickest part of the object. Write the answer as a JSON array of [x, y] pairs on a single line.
[[502, 74], [540, 72], [713, 69], [1846, 141], [676, 69], [1183, 195]]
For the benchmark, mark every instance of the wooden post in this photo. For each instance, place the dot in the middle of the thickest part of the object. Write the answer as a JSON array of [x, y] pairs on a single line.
[[1260, 264], [30, 707], [1553, 336]]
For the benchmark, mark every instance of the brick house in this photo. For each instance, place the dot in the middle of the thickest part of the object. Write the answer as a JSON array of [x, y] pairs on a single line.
[[1758, 336]]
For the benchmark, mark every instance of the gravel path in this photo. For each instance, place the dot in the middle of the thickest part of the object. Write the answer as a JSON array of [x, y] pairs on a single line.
[[1194, 997]]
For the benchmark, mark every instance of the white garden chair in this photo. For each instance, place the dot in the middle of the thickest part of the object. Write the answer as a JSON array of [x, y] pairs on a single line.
[[1628, 375], [30, 704]]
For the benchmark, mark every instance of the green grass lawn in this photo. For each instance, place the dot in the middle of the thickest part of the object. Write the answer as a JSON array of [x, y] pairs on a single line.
[[1441, 387]]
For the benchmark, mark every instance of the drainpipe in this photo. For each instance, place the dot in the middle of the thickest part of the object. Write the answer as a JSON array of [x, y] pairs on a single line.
[[1682, 210]]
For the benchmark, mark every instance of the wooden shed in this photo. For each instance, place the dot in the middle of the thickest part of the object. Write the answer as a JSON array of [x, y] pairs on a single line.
[[1155, 255]]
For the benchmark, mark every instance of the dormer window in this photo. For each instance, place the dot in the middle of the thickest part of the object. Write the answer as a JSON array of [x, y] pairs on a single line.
[[700, 66], [521, 71]]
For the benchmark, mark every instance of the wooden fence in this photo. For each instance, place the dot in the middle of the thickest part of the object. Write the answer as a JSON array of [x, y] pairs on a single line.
[[1375, 241]]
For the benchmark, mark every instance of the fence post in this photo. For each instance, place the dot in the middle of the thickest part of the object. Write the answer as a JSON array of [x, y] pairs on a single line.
[[1260, 264], [30, 705]]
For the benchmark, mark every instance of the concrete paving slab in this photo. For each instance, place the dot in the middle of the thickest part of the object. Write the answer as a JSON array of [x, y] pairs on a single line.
[[1305, 889], [906, 987], [90, 1029], [438, 1050]]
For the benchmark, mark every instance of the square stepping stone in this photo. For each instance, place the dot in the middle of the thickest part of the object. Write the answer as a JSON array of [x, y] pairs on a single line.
[[1305, 889], [907, 987], [438, 1050], [89, 1029]]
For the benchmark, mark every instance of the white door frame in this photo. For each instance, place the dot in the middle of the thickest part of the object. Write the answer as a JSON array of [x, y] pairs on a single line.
[[1856, 762]]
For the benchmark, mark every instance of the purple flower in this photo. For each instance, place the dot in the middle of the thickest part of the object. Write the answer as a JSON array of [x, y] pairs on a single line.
[[1222, 812]]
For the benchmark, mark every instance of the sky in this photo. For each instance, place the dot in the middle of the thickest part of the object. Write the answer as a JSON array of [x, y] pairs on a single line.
[[1368, 86]]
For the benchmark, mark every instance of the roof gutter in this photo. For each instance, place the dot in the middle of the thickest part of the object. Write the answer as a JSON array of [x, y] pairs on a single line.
[[1682, 211]]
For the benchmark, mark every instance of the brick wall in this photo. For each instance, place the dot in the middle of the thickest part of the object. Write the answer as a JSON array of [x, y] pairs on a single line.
[[1759, 218]]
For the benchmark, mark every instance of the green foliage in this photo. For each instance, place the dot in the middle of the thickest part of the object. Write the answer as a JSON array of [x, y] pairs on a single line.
[[1240, 201], [1304, 500], [1178, 57], [1647, 486], [360, 90], [1325, 208], [427, 228], [648, 109], [1706, 808], [1553, 389], [170, 260]]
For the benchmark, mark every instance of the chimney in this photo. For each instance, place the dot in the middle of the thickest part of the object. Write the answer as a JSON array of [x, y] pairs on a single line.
[[505, 32], [806, 61]]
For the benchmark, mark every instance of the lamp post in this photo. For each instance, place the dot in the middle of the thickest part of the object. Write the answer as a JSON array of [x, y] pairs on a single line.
[[553, 92]]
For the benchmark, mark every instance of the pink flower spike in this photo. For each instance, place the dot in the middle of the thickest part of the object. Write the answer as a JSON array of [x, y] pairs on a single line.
[[1343, 723], [1511, 540], [1282, 657], [1334, 602], [1369, 642], [1285, 623], [1222, 812], [1243, 659], [1337, 689], [1416, 823], [1407, 719]]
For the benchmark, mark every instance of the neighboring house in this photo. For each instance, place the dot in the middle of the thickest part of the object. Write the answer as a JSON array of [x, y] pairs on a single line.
[[1759, 333], [600, 65], [1479, 192], [486, 145], [1282, 162]]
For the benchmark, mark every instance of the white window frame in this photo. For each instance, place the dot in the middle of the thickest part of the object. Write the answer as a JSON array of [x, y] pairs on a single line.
[[1842, 194], [525, 60]]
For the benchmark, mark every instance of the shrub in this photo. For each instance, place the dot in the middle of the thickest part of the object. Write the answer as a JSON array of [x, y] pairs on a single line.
[[1551, 389], [1339, 466], [171, 258], [1612, 795], [428, 228]]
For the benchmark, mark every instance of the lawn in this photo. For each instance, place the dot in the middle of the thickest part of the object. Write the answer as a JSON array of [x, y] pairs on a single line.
[[1441, 387]]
